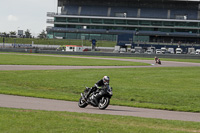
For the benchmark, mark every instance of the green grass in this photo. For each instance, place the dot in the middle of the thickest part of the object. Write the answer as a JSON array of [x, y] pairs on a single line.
[[159, 88], [30, 59], [100, 43], [33, 121], [34, 59]]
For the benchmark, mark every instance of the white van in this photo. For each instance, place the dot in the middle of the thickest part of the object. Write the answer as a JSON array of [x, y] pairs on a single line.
[[197, 51], [191, 50], [149, 51], [158, 51], [171, 50], [179, 50], [163, 50]]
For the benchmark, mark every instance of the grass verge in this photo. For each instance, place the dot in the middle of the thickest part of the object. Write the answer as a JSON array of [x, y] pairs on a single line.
[[26, 59], [140, 58], [159, 88], [21, 120]]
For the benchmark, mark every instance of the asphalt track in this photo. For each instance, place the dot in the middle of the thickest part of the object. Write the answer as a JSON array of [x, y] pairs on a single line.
[[43, 67], [59, 105]]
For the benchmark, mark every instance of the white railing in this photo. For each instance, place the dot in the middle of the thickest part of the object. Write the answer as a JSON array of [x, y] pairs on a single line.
[[51, 14], [50, 21]]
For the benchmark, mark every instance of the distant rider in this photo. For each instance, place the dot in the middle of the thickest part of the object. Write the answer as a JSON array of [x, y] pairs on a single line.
[[157, 60]]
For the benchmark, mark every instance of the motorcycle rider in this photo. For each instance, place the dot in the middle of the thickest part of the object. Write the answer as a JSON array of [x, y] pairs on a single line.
[[157, 60], [104, 81]]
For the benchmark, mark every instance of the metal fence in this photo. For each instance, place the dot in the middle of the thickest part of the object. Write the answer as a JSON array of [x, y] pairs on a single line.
[[181, 56]]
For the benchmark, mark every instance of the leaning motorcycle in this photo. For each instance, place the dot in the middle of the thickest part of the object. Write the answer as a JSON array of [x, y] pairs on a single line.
[[158, 61], [100, 98]]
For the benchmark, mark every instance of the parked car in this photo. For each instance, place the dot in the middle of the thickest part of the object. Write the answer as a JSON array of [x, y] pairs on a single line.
[[179, 50], [198, 51], [158, 51], [150, 51]]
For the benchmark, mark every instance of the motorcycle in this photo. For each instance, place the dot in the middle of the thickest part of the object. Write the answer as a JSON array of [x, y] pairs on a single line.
[[158, 61], [100, 98]]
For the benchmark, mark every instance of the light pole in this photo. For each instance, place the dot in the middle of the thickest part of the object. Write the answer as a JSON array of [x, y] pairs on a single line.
[[3, 41]]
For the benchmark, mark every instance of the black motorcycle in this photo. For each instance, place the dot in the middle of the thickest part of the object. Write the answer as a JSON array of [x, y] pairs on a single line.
[[100, 98]]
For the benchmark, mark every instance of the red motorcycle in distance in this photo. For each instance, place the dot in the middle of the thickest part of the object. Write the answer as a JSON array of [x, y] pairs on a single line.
[[157, 60]]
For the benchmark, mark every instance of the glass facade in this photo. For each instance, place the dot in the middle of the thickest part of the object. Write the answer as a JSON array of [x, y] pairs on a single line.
[[144, 18], [125, 24]]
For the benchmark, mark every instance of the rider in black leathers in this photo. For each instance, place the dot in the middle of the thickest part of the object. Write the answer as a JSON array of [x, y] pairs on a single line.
[[104, 81]]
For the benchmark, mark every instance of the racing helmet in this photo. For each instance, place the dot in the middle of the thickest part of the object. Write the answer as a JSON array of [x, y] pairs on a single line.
[[106, 80]]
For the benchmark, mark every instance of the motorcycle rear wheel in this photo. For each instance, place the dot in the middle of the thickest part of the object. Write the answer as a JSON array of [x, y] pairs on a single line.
[[103, 103], [82, 103]]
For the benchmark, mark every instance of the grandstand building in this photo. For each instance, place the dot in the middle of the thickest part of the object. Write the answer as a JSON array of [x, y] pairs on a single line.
[[148, 20]]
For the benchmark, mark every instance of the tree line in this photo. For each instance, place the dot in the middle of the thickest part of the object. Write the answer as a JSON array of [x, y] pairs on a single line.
[[27, 34]]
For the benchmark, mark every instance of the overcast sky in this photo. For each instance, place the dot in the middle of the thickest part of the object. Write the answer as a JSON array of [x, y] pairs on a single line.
[[25, 14]]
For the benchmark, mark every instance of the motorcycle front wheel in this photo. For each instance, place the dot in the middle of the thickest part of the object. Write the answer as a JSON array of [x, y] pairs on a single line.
[[103, 103], [82, 103]]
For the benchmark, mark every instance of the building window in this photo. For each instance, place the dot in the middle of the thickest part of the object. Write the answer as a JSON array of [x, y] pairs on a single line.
[[60, 19], [75, 20], [184, 17], [180, 24], [99, 21], [145, 22], [108, 21], [192, 24], [120, 21], [156, 23], [121, 14], [132, 22], [84, 20], [168, 23]]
